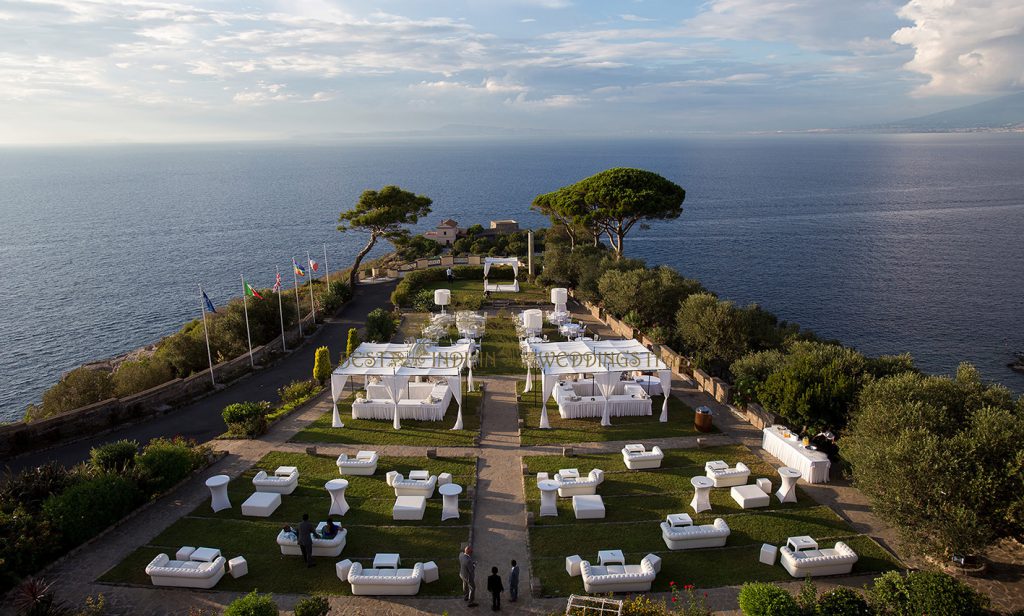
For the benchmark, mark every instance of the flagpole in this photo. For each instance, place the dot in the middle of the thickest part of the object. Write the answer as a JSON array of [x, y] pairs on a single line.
[[280, 308], [312, 306], [245, 308], [327, 272], [209, 355], [298, 307]]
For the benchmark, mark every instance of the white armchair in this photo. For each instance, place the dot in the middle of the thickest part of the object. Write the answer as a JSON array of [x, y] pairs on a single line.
[[580, 486], [635, 460], [828, 561], [411, 487], [185, 573], [727, 477], [696, 536], [364, 463], [278, 484]]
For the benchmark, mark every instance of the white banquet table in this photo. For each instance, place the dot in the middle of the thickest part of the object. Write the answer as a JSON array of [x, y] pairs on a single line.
[[813, 465], [411, 408]]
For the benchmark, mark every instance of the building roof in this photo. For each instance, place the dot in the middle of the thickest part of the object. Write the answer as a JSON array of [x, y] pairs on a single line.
[[448, 222]]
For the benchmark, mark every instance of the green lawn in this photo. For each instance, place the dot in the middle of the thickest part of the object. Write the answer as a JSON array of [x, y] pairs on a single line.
[[641, 499], [467, 294], [378, 432], [370, 529], [680, 423]]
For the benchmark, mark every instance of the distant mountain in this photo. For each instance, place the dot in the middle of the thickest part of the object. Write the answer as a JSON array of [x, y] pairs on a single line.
[[1005, 113]]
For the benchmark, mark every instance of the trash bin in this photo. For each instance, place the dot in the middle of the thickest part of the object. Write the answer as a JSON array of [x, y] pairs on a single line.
[[702, 419]]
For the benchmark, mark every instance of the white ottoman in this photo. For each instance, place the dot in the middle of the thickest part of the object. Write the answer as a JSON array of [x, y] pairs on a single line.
[[589, 506], [749, 496], [261, 504], [184, 553], [572, 564], [765, 484], [430, 573], [655, 561], [444, 479], [342, 569], [409, 508], [768, 553], [238, 567]]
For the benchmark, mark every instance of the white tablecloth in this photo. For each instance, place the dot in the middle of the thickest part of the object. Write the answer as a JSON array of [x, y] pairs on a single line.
[[813, 465], [650, 384], [618, 406], [382, 408]]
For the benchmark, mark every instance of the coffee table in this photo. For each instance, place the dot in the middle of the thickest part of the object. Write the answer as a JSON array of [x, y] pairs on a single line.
[[419, 475], [608, 557], [386, 560], [569, 473], [679, 519], [205, 555]]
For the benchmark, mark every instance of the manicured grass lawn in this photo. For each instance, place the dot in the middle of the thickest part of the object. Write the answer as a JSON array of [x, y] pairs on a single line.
[[379, 432], [680, 423], [466, 293], [370, 529], [637, 501], [499, 349]]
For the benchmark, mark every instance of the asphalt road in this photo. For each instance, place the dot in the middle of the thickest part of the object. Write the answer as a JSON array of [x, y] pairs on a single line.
[[201, 420]]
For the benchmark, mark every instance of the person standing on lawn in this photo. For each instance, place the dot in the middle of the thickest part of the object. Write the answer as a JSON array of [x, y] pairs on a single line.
[[467, 571], [495, 587], [513, 582], [306, 540]]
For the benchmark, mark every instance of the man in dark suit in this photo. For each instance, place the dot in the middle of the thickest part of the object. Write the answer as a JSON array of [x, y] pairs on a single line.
[[495, 587], [513, 582], [306, 540], [467, 571]]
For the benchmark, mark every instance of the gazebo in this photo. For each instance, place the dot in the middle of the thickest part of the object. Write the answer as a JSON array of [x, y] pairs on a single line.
[[395, 364], [607, 361], [499, 287]]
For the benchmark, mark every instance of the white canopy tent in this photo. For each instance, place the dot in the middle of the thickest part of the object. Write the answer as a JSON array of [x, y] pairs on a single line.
[[497, 287], [394, 364], [607, 360]]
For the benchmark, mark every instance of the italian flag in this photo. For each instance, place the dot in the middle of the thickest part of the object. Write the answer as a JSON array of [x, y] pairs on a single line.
[[251, 292]]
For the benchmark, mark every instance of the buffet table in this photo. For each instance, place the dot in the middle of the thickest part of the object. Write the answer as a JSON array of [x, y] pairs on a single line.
[[813, 465], [408, 408], [625, 405]]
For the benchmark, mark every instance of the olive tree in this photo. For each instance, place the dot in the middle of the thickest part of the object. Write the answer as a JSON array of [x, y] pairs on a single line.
[[941, 459], [382, 213], [711, 330]]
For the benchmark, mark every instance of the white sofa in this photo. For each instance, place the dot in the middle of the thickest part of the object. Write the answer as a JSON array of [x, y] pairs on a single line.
[[620, 578], [635, 460], [581, 486], [185, 573], [385, 581], [365, 463], [735, 476], [321, 547], [412, 487], [828, 561], [696, 536], [278, 484]]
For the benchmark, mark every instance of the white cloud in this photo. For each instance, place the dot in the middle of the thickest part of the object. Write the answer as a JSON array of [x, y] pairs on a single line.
[[632, 17], [965, 47]]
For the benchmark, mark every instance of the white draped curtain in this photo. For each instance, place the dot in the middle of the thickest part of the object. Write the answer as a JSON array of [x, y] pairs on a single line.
[[337, 389], [606, 382], [455, 385], [394, 386], [547, 385], [665, 376]]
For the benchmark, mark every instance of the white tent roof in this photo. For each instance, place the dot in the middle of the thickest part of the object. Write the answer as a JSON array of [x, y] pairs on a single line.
[[405, 360], [594, 357], [501, 260]]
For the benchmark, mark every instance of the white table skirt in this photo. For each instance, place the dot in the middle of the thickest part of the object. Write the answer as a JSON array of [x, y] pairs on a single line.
[[497, 287], [407, 409], [594, 407], [650, 384], [813, 465]]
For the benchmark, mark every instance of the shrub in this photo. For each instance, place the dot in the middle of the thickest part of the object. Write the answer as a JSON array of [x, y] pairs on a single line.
[[252, 604], [164, 462], [650, 295], [297, 390], [78, 388], [86, 508], [322, 365], [131, 377], [380, 325], [28, 543], [114, 457], [246, 418], [31, 486], [764, 599], [712, 331], [185, 350], [413, 281], [842, 602], [316, 605], [335, 296], [642, 605], [353, 341], [925, 592], [422, 301]]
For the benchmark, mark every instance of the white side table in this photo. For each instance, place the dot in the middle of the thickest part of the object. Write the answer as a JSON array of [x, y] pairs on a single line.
[[218, 485], [284, 471], [787, 491], [419, 475], [336, 488], [679, 519], [701, 491], [205, 555], [609, 557], [386, 561], [548, 501], [569, 473], [450, 500], [634, 448]]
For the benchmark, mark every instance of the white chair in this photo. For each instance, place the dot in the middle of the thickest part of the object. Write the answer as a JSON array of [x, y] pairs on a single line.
[[579, 486], [289, 543], [365, 463], [412, 487], [620, 578], [692, 537], [163, 571], [828, 561], [278, 484], [727, 477], [635, 460]]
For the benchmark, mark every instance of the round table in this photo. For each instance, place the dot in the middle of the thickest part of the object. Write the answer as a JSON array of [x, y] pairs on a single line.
[[787, 491], [450, 500], [701, 491], [218, 485], [336, 488], [548, 500]]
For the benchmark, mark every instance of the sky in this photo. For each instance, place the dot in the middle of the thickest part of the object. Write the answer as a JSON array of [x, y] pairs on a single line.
[[95, 71]]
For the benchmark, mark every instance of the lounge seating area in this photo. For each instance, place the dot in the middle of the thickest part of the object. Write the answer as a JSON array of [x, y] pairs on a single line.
[[801, 558], [385, 578], [412, 487], [186, 573], [321, 547], [637, 457], [692, 536], [615, 577], [571, 484], [725, 476], [284, 480], [364, 463]]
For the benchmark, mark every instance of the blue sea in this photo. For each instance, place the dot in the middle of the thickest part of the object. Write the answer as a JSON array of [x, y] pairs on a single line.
[[889, 243]]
